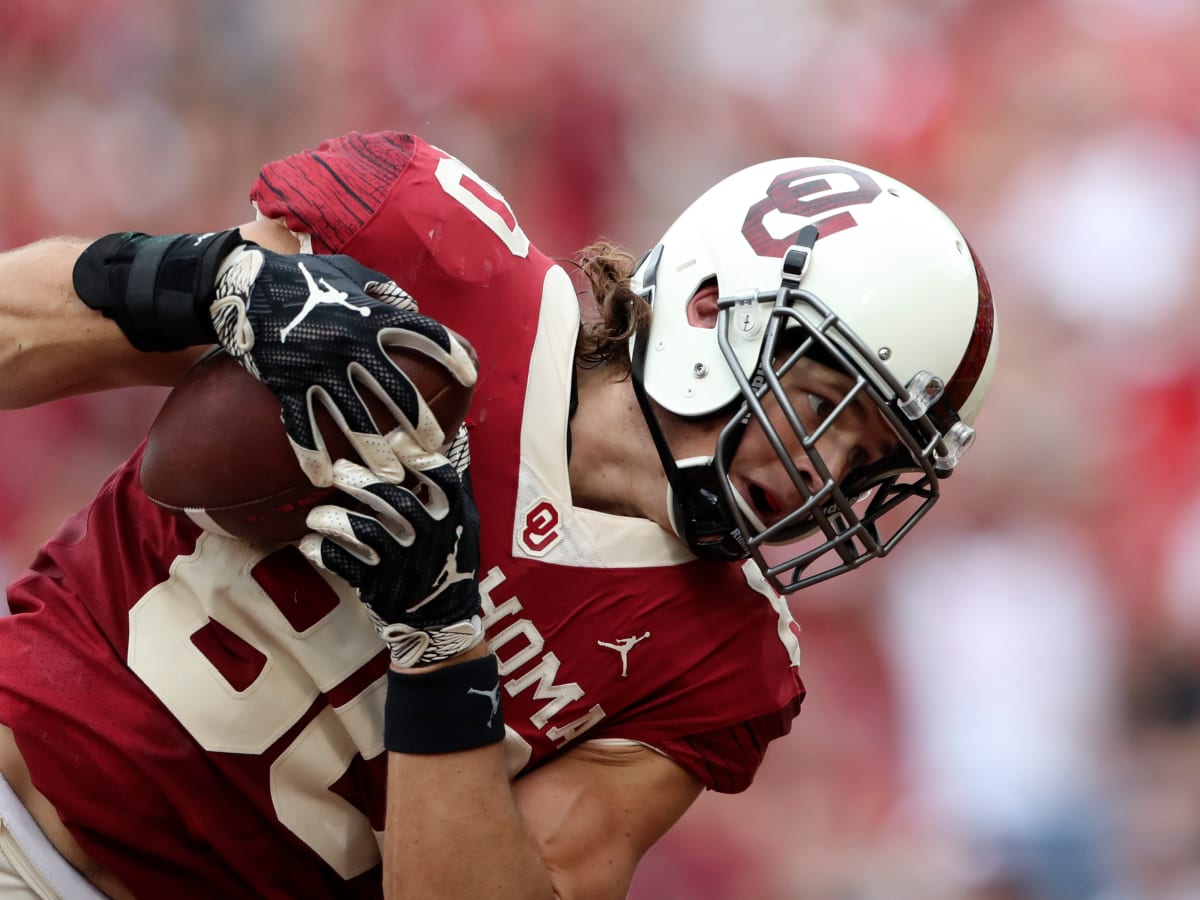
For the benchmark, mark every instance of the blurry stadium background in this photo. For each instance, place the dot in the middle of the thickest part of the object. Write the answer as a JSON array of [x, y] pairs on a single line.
[[1009, 708]]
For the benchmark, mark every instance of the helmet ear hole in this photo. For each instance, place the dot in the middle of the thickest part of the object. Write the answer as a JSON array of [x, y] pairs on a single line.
[[702, 307]]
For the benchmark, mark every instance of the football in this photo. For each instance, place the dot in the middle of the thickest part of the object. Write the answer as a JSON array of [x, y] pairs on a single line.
[[218, 454]]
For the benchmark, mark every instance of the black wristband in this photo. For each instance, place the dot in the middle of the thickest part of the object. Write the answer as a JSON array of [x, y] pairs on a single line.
[[444, 711], [157, 289]]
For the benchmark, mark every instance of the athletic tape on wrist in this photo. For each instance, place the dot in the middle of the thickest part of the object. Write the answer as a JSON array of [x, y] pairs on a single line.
[[446, 710]]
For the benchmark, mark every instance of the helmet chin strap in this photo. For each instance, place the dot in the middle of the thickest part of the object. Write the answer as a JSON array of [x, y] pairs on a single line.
[[694, 495]]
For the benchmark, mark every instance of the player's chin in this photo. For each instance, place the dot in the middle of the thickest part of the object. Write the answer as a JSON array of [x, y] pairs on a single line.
[[784, 535]]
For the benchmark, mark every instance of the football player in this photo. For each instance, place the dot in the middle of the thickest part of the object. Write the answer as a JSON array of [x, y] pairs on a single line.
[[772, 396]]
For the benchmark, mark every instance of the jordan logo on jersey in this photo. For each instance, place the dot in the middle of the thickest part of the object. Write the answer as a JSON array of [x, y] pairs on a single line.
[[623, 646]]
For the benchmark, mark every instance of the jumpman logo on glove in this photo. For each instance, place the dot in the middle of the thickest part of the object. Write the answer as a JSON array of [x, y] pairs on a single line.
[[317, 296], [449, 575]]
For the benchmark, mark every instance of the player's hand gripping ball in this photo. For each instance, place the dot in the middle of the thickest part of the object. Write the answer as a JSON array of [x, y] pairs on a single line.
[[320, 330], [412, 553], [218, 452]]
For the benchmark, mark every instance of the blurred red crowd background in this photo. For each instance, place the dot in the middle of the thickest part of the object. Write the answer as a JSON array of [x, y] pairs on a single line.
[[1009, 707]]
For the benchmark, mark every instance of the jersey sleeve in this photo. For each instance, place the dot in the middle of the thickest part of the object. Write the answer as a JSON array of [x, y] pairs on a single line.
[[332, 192], [717, 713], [729, 700], [726, 760], [405, 208]]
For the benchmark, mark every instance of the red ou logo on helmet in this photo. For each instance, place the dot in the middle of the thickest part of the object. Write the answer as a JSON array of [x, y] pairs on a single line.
[[806, 192], [541, 527]]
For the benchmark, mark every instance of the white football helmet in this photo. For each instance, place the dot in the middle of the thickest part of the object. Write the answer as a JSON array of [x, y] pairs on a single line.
[[851, 268]]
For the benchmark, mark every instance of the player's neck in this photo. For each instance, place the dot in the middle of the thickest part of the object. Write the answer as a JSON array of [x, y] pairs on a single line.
[[613, 465]]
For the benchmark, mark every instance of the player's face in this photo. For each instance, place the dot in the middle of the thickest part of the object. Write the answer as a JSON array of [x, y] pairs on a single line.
[[858, 436]]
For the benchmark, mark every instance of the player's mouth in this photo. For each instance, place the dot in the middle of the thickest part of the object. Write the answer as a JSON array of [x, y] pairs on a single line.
[[763, 509], [758, 504]]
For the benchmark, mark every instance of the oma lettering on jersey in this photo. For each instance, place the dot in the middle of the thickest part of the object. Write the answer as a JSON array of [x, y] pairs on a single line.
[[526, 665]]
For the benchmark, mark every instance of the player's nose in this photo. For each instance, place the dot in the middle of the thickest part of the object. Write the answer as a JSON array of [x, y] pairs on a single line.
[[836, 450], [818, 468]]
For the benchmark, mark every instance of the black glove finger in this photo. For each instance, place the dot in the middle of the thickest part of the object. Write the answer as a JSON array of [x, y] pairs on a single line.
[[328, 554], [296, 419], [404, 328], [386, 440], [310, 443], [437, 491], [360, 550], [393, 389], [440, 472], [444, 478]]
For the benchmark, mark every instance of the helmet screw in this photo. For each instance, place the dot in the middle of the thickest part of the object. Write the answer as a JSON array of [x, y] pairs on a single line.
[[748, 325], [699, 370], [885, 353]]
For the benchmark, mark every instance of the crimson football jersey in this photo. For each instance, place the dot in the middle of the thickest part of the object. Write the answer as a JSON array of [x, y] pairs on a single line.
[[206, 713]]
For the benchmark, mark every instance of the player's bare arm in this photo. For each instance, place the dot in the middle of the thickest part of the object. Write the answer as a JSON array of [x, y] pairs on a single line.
[[595, 812], [575, 828], [51, 344]]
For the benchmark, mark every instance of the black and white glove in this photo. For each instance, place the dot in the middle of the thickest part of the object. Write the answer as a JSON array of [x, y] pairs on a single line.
[[317, 329], [314, 329], [413, 557]]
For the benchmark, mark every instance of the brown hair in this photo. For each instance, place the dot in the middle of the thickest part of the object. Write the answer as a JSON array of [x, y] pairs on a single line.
[[617, 312]]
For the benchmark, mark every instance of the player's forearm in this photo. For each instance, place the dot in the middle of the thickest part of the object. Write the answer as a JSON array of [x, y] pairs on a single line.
[[51, 344], [453, 828], [454, 831]]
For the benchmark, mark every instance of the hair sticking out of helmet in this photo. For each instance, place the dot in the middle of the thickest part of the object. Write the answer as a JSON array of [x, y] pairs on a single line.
[[817, 263]]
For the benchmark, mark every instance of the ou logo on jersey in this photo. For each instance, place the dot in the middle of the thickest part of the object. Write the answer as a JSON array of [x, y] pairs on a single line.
[[539, 530]]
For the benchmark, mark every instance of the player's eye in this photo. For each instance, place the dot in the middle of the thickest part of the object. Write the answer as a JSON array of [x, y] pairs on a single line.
[[820, 406]]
